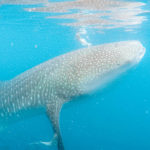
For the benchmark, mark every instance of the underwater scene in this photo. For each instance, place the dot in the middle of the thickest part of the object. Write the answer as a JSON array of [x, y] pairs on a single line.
[[74, 75]]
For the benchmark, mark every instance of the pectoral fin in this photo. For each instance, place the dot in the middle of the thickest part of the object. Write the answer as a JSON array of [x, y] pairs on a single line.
[[53, 111]]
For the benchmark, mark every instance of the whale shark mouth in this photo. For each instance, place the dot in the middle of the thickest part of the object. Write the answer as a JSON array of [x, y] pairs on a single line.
[[140, 55]]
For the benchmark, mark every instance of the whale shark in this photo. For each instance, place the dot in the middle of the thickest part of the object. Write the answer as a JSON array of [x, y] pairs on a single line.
[[59, 80]]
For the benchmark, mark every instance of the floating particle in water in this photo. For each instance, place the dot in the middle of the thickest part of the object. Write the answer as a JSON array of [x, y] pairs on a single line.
[[146, 112], [36, 46], [11, 44]]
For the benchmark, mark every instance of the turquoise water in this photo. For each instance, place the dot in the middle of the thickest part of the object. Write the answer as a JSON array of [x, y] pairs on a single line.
[[115, 118]]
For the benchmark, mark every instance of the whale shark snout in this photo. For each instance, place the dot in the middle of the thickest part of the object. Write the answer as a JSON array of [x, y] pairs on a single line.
[[140, 54], [107, 61], [55, 82], [133, 51]]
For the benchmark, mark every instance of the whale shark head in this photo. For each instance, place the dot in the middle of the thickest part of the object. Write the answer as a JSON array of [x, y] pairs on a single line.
[[109, 60], [130, 52]]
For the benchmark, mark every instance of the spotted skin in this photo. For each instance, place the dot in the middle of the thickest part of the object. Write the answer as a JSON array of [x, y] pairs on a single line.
[[55, 82]]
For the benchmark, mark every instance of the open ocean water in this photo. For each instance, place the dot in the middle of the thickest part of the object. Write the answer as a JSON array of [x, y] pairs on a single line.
[[115, 118]]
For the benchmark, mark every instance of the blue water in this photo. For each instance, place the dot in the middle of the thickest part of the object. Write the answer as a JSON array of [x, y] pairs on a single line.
[[116, 118]]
